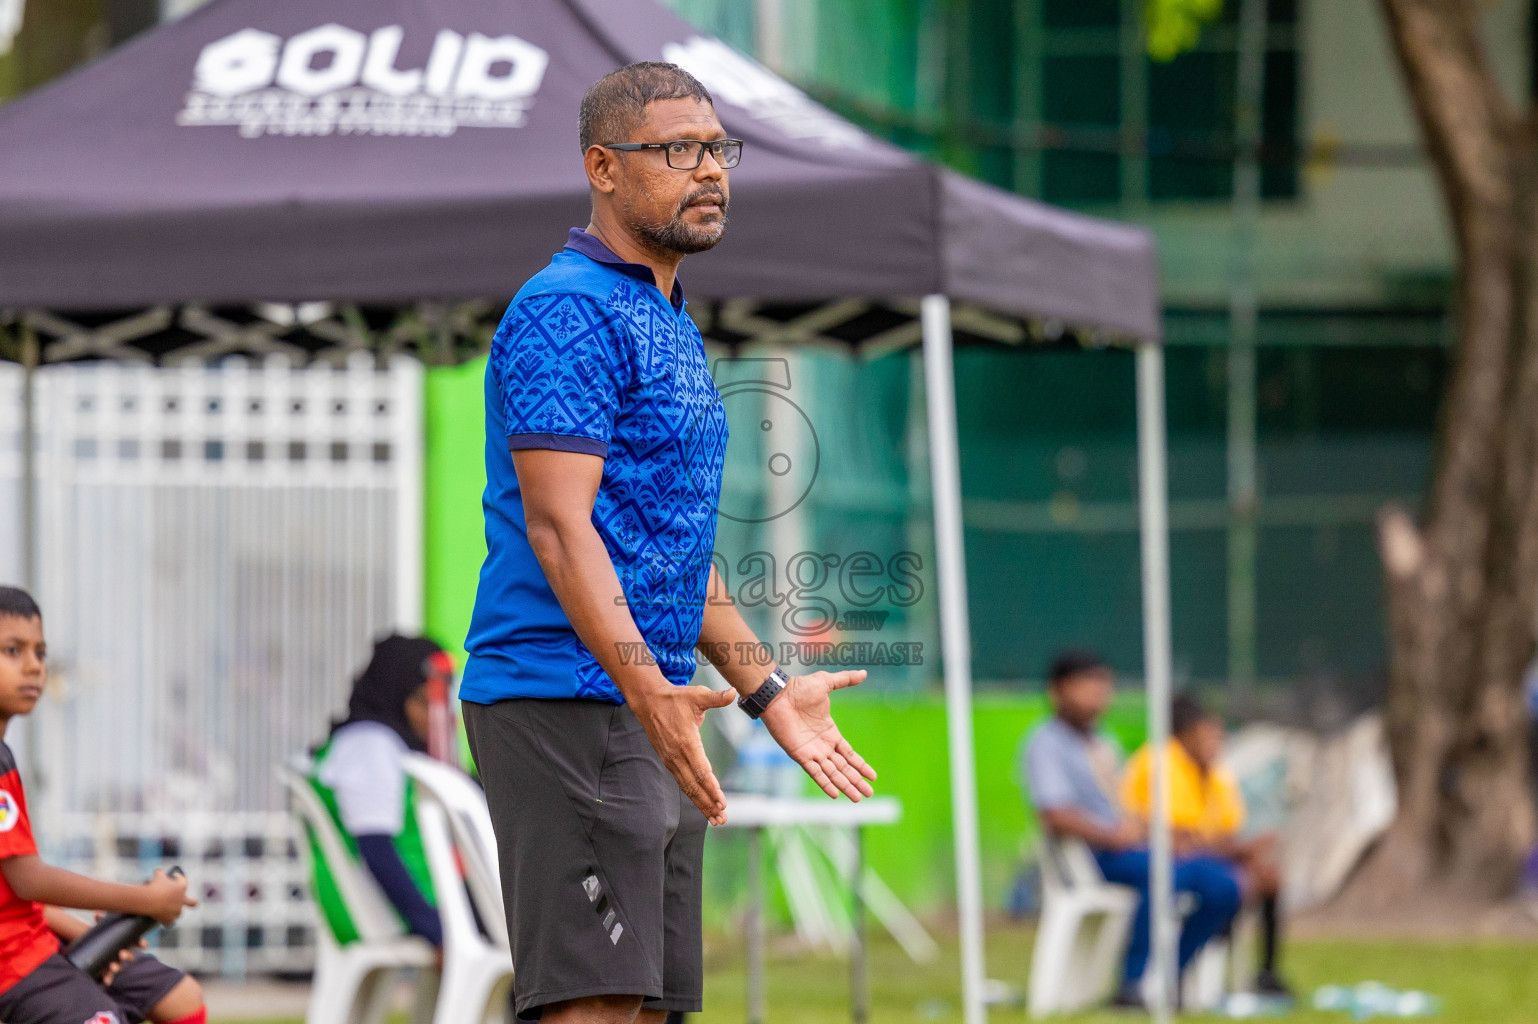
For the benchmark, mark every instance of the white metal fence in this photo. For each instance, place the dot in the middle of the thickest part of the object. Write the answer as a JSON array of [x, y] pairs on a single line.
[[217, 549]]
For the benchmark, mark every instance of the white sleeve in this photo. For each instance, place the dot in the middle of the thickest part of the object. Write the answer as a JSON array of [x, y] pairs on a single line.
[[364, 769]]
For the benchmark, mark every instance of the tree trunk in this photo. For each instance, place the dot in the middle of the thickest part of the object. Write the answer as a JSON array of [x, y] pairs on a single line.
[[56, 35], [1462, 585]]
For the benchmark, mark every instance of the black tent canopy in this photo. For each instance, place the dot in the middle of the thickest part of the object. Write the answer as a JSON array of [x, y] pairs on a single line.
[[295, 150], [391, 151]]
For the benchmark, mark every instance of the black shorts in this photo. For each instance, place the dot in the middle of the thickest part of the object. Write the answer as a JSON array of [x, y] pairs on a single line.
[[601, 854], [57, 993]]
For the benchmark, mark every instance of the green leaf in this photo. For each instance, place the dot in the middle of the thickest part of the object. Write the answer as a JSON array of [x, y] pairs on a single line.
[[1175, 26]]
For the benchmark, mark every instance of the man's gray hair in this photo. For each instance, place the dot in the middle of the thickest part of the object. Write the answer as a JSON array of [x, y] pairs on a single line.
[[616, 104]]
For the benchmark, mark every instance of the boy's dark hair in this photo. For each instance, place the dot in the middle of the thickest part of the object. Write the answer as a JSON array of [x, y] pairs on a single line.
[[1186, 711], [17, 603], [1072, 663], [615, 106]]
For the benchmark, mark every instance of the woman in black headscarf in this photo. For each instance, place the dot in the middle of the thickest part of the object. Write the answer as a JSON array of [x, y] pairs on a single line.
[[393, 689], [361, 766]]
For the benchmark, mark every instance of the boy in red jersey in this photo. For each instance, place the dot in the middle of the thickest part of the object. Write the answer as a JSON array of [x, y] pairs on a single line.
[[37, 984]]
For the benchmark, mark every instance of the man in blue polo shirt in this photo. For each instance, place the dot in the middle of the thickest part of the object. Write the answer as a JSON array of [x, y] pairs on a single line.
[[605, 440]]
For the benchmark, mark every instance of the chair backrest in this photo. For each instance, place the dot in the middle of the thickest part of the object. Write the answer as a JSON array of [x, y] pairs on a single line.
[[366, 906], [1068, 864], [469, 822]]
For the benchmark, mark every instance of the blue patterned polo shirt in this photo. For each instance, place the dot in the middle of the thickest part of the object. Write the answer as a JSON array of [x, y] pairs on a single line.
[[591, 358]]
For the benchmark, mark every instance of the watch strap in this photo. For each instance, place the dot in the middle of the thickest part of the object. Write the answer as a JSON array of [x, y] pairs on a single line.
[[757, 702]]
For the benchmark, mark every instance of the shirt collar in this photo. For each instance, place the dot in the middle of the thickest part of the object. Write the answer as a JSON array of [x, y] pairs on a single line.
[[578, 240]]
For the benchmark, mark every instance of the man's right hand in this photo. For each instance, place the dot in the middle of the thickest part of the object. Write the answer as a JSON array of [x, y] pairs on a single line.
[[167, 897], [672, 716]]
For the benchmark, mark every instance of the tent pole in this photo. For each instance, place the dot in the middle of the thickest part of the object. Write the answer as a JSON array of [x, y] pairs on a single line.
[[1153, 517], [31, 534], [1243, 492], [955, 643], [31, 355], [770, 23]]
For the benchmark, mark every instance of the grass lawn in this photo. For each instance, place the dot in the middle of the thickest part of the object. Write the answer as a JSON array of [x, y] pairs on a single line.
[[1479, 982]]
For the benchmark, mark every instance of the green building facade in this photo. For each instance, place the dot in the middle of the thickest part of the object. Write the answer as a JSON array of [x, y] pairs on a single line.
[[1058, 100]]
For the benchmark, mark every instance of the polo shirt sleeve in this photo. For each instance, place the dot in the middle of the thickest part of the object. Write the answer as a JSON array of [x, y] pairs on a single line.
[[15, 826], [560, 362]]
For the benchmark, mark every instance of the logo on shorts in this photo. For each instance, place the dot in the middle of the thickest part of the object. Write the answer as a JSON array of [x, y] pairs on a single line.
[[104, 1018], [10, 811], [606, 913]]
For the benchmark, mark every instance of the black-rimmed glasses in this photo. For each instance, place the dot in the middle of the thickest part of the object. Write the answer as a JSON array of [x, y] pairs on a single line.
[[687, 154]]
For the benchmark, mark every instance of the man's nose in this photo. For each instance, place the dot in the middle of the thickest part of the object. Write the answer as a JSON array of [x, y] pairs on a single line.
[[710, 168]]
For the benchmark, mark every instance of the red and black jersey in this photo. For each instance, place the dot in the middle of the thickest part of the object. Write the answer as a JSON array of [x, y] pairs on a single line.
[[25, 941]]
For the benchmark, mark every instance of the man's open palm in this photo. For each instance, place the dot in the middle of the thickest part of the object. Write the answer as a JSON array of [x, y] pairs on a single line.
[[801, 721]]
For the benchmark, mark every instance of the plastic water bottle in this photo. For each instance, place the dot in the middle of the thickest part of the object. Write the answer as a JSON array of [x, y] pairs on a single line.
[[95, 951], [1252, 1005], [1374, 999], [762, 767]]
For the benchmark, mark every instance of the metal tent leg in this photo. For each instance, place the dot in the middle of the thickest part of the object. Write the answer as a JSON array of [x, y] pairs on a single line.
[[1153, 507], [955, 642]]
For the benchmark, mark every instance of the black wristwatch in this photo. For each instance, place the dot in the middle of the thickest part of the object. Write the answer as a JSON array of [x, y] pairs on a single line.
[[757, 702]]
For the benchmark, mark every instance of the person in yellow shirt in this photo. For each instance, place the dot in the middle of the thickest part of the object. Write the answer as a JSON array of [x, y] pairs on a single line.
[[1207, 816]]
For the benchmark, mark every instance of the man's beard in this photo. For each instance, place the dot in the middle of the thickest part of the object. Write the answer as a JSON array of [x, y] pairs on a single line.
[[678, 237]]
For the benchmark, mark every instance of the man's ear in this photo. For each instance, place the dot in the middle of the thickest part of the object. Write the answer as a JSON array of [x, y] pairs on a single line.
[[601, 167]]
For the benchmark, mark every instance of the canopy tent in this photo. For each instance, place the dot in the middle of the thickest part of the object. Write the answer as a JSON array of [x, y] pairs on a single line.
[[398, 150]]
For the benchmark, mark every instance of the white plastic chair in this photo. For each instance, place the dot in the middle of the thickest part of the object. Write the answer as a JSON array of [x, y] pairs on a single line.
[[354, 982], [477, 965], [1082, 933], [1224, 965]]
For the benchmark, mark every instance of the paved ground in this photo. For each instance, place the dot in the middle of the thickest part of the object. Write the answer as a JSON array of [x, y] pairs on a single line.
[[256, 1000], [270, 1002]]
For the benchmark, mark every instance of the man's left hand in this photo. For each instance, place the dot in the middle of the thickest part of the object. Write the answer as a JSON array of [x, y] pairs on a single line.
[[801, 721]]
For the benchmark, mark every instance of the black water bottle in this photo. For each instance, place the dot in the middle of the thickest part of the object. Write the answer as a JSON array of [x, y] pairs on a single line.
[[98, 948]]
